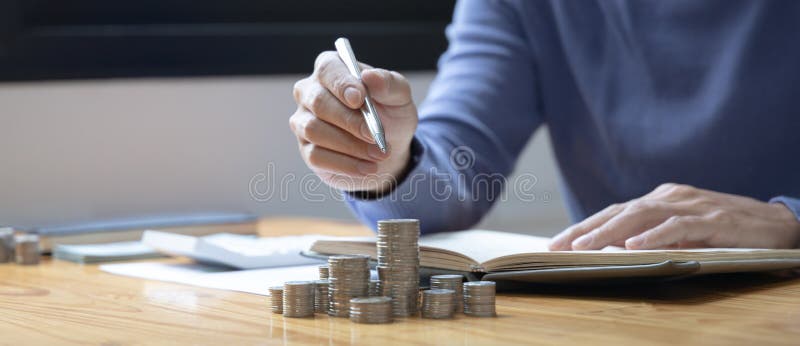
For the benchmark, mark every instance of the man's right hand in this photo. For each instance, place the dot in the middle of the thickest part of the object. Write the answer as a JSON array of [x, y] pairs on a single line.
[[333, 137]]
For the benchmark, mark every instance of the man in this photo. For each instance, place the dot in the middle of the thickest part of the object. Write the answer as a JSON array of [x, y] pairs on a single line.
[[675, 123]]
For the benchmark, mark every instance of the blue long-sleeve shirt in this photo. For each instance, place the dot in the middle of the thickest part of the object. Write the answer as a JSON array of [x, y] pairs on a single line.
[[634, 93]]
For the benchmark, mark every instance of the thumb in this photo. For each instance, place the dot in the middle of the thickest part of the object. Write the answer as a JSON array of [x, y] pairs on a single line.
[[387, 87]]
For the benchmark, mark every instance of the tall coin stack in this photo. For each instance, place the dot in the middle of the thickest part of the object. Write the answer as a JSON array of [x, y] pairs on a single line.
[[6, 244], [298, 299], [451, 282], [276, 299], [321, 298], [437, 303], [371, 310], [479, 298], [398, 253], [27, 249], [349, 278]]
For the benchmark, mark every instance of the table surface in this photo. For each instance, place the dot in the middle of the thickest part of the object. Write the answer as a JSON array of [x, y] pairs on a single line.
[[65, 303]]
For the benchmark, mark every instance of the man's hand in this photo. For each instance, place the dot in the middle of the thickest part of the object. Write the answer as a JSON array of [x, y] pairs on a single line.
[[681, 216], [333, 137]]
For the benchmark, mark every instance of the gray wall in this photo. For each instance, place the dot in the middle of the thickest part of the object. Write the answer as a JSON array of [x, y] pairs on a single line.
[[73, 152]]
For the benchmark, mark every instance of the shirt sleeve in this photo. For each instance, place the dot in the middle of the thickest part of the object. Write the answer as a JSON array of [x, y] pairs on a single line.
[[793, 204], [480, 112]]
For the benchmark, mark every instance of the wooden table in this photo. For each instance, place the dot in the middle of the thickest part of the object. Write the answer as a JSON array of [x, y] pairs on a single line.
[[65, 303]]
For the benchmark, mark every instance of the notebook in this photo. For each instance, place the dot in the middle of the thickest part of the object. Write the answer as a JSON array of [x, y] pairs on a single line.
[[494, 255], [235, 250]]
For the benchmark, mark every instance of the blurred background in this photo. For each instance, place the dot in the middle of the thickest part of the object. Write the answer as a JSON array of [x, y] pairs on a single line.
[[125, 110]]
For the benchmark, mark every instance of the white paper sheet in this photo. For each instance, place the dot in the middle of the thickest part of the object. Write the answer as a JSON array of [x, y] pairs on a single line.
[[256, 281]]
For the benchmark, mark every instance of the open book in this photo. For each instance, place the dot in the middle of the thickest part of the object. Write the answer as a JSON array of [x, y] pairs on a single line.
[[519, 257]]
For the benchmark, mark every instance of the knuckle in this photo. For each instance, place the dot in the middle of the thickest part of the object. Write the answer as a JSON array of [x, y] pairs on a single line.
[[297, 90], [719, 216], [312, 154], [323, 61], [665, 187], [641, 206], [316, 101], [675, 220], [311, 129]]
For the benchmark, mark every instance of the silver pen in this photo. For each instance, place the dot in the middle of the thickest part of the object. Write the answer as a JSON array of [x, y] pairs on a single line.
[[368, 109]]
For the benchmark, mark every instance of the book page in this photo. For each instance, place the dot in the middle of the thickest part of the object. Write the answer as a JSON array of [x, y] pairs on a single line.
[[483, 245]]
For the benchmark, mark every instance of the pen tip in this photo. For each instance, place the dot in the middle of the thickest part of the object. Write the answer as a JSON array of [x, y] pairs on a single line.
[[381, 142]]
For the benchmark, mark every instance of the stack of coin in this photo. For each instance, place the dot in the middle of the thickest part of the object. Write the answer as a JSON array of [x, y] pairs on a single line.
[[479, 298], [375, 288], [298, 299], [27, 249], [349, 278], [371, 310], [437, 303], [276, 298], [323, 272], [398, 252], [451, 282], [6, 244], [321, 298]]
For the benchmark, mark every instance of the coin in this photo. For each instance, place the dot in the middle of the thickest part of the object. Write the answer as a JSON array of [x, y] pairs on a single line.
[[321, 298], [27, 249], [323, 272], [375, 288], [6, 244], [276, 299], [298, 299], [451, 282], [479, 298], [371, 310]]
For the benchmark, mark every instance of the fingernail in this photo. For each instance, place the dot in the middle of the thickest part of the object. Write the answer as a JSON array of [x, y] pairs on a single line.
[[635, 242], [353, 96], [583, 242], [365, 133], [367, 167], [375, 153]]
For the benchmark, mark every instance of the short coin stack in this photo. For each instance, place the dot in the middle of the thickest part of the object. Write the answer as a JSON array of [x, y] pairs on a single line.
[[321, 298], [6, 244], [298, 299], [323, 272], [437, 303], [398, 254], [27, 249], [276, 299], [371, 310], [349, 278], [479, 298], [451, 282]]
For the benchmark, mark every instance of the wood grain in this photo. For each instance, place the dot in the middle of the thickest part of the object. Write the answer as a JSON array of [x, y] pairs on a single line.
[[65, 303]]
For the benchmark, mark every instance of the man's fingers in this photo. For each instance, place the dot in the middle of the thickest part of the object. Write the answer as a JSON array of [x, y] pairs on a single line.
[[311, 129], [638, 216], [563, 241], [387, 87], [332, 73], [320, 158], [673, 231], [324, 105]]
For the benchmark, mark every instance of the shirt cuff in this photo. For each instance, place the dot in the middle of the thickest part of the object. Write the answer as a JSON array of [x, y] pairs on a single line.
[[792, 203]]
